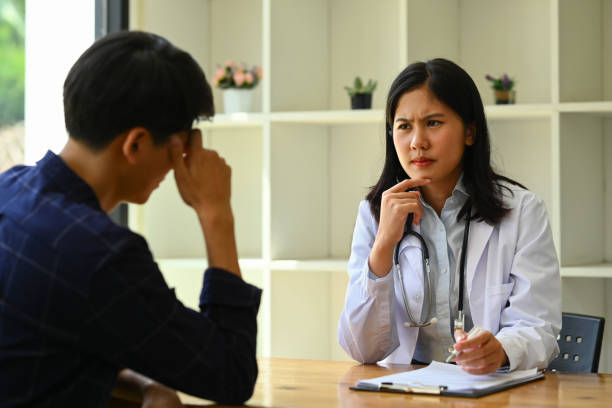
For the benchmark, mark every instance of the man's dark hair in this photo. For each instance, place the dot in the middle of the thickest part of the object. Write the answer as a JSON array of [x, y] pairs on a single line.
[[130, 79]]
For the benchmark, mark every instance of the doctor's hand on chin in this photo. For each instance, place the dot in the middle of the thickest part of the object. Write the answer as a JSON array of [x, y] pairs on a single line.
[[396, 204], [481, 354]]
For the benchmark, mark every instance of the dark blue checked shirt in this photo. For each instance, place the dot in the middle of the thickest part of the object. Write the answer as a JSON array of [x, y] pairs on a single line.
[[81, 298]]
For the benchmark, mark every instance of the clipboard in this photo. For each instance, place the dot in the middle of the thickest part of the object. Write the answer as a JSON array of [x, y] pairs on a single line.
[[502, 382]]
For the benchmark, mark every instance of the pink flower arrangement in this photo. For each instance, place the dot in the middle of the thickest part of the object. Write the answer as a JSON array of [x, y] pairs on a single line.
[[232, 75], [239, 78]]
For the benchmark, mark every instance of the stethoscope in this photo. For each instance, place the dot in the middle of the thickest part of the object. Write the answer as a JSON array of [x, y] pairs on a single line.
[[460, 319]]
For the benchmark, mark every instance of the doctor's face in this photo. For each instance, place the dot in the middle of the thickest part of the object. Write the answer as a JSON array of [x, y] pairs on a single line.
[[429, 137]]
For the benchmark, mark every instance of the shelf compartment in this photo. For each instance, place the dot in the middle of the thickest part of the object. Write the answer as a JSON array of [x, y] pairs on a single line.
[[327, 46], [585, 50], [519, 45], [518, 111], [586, 189], [521, 150], [319, 174], [204, 29], [304, 313], [235, 30], [299, 191]]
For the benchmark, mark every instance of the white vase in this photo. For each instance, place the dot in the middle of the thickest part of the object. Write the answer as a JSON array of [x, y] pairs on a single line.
[[237, 100]]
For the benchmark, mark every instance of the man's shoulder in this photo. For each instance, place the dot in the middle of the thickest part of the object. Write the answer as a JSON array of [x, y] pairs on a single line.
[[10, 180], [91, 231], [57, 216]]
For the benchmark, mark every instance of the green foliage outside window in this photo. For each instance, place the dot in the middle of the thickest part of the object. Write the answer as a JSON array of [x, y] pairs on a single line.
[[12, 61]]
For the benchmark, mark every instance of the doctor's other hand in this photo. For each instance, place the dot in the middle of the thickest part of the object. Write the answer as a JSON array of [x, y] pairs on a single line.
[[481, 354], [396, 205], [202, 176]]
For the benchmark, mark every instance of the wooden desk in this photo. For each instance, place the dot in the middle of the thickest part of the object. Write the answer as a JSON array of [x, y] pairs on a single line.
[[309, 383]]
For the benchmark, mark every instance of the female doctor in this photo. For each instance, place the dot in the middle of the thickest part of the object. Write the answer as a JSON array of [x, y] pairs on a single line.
[[437, 173]]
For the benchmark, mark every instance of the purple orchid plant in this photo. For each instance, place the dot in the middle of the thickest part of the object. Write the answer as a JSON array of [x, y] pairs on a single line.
[[503, 83]]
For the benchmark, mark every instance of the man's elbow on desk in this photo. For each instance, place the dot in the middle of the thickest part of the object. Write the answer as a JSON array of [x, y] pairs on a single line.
[[229, 380], [240, 384]]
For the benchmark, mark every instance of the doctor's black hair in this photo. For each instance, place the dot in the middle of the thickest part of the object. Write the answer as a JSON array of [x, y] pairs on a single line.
[[452, 86], [129, 79]]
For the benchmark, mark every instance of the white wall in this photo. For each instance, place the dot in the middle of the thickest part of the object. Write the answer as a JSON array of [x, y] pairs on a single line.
[[57, 33]]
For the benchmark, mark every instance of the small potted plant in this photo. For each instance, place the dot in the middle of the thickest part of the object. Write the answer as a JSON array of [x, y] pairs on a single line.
[[504, 94], [361, 95], [237, 83]]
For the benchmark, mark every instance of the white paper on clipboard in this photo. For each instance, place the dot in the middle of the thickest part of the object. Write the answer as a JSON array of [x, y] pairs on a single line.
[[449, 376]]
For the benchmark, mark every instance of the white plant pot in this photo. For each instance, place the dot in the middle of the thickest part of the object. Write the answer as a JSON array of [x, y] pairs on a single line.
[[237, 100]]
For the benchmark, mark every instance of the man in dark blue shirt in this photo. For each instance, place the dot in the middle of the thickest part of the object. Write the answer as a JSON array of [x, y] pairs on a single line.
[[82, 298]]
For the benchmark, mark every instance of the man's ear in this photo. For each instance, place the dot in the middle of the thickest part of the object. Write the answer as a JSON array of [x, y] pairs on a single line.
[[134, 142], [470, 135]]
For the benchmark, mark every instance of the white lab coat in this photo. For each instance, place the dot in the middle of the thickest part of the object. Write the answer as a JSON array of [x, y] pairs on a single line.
[[513, 288]]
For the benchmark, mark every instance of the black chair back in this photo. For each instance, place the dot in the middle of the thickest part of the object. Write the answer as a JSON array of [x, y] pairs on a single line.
[[579, 344]]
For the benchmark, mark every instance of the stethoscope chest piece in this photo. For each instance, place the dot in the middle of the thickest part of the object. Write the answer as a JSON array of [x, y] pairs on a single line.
[[431, 322]]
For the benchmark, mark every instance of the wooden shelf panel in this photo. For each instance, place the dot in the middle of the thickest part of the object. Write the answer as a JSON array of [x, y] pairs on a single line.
[[603, 270], [330, 116], [587, 271], [202, 263], [234, 120], [326, 265], [598, 108], [339, 117]]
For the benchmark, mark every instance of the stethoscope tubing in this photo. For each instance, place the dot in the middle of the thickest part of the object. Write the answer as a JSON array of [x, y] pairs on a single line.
[[426, 273], [427, 270]]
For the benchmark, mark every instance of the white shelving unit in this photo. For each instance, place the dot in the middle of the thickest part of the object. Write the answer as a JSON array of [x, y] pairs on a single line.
[[303, 161]]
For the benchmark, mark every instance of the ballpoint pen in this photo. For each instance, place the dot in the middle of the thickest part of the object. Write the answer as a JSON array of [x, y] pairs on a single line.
[[413, 388], [473, 332]]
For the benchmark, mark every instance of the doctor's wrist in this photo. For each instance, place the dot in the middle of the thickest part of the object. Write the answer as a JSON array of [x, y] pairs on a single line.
[[380, 260]]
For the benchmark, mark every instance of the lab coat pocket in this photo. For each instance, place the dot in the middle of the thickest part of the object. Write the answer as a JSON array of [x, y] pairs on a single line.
[[490, 305], [503, 289]]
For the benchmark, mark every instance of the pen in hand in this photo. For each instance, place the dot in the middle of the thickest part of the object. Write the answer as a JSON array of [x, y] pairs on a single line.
[[473, 332]]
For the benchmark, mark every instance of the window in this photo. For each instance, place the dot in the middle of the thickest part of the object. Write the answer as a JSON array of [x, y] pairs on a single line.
[[12, 80]]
